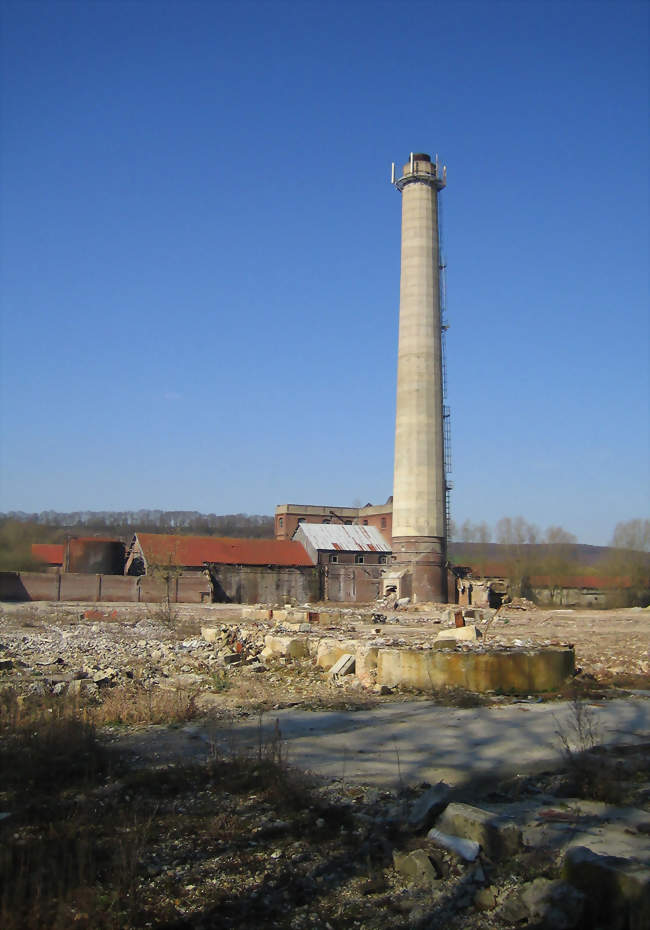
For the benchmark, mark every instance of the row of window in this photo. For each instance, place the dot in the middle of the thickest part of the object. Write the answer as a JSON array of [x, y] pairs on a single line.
[[327, 520], [359, 560]]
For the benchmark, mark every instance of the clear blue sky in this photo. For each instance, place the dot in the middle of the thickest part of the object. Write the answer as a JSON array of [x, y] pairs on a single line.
[[200, 250]]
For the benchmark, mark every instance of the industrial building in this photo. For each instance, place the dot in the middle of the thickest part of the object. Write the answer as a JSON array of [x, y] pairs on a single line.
[[351, 559], [289, 516]]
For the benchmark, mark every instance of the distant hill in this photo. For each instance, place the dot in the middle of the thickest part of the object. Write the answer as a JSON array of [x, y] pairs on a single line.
[[579, 554]]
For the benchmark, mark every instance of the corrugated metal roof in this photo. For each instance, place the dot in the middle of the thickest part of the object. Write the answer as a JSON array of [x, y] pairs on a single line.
[[193, 551], [50, 553], [355, 538]]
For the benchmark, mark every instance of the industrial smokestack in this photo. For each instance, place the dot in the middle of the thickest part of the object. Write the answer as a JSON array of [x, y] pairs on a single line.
[[419, 483]]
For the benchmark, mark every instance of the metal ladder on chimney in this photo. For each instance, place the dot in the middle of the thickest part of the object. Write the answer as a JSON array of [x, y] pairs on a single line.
[[446, 413]]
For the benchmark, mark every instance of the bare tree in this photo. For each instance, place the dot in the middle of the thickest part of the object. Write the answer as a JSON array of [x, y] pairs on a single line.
[[518, 536], [631, 559], [559, 559]]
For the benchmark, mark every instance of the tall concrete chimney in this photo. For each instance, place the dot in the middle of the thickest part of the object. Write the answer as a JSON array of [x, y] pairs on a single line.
[[419, 483]]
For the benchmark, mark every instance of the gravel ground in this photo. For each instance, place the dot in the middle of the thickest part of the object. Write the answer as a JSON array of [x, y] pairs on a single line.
[[245, 842]]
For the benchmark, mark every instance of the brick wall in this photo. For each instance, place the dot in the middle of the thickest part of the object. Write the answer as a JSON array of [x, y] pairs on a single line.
[[253, 584]]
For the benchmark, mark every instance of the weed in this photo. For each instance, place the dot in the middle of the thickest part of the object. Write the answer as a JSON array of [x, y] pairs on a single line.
[[459, 697], [219, 681], [138, 705], [589, 775]]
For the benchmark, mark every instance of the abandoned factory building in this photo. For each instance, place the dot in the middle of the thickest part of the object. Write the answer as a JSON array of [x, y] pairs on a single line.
[[351, 559], [289, 516], [245, 571]]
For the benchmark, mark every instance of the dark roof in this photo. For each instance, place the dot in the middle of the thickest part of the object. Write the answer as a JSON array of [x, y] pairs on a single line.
[[195, 551]]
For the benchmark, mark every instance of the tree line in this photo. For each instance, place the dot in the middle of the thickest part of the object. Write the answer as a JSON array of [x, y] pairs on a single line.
[[526, 551]]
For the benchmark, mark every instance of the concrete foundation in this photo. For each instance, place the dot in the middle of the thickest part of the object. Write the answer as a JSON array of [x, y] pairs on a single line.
[[516, 671]]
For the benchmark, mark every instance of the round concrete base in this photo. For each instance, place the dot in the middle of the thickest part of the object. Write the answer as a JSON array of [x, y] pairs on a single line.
[[504, 670]]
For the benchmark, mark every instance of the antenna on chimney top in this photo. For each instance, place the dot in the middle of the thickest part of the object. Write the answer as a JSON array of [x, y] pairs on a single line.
[[411, 162], [392, 173]]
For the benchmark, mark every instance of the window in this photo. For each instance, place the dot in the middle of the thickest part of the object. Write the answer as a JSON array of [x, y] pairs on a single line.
[[348, 522], [365, 523], [334, 558], [281, 521], [358, 560], [327, 521], [383, 523], [382, 559], [301, 519]]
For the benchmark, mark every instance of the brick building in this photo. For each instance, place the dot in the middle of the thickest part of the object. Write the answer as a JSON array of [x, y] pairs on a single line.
[[289, 516]]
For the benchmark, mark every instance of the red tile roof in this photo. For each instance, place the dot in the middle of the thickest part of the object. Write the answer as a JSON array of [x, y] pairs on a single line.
[[50, 553], [193, 551]]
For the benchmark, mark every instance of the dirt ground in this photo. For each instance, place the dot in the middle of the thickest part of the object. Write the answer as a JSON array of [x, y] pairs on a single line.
[[611, 645], [105, 828]]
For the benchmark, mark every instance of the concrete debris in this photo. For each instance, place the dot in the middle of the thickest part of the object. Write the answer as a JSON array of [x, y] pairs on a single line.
[[344, 666], [617, 890], [415, 867], [428, 806], [459, 634], [497, 836], [291, 647], [552, 904], [329, 651], [485, 899]]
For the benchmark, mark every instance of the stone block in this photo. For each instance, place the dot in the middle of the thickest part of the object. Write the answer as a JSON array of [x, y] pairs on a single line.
[[256, 613], [459, 634], [288, 646], [428, 806], [331, 650], [366, 664], [343, 666], [497, 836], [415, 867], [552, 904], [210, 633], [617, 890], [299, 615]]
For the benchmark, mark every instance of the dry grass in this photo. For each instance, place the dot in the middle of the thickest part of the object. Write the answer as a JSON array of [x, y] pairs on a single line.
[[589, 775], [135, 705], [82, 825]]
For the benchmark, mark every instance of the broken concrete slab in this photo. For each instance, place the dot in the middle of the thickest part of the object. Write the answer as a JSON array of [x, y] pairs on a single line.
[[617, 890], [343, 666], [428, 806], [330, 651], [288, 646], [497, 836]]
